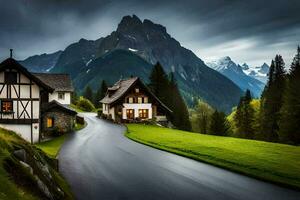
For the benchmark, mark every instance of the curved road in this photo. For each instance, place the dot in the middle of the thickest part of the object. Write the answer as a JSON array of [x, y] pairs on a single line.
[[99, 162]]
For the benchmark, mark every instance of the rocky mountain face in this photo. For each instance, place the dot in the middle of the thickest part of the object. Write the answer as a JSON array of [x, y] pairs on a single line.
[[86, 60], [235, 73], [260, 73], [41, 63]]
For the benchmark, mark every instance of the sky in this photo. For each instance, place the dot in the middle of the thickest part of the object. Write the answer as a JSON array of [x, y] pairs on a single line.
[[248, 31]]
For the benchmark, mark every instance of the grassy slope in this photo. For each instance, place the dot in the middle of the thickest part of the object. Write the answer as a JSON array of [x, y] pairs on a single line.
[[52, 147], [8, 190], [273, 162]]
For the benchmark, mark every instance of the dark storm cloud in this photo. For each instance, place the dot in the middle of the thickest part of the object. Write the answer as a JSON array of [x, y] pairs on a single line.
[[251, 31]]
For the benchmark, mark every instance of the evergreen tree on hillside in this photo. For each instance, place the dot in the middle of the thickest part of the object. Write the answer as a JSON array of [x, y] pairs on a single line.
[[100, 94], [244, 117], [218, 124], [167, 91], [289, 125], [159, 83], [88, 93], [180, 115], [272, 100]]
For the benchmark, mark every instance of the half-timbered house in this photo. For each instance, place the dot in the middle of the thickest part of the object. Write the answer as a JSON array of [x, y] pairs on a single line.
[[32, 104], [131, 100], [20, 100]]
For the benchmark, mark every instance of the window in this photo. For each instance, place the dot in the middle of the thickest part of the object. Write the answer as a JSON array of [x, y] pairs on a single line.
[[10, 77], [130, 100], [143, 113], [7, 106], [61, 95], [49, 122], [145, 99], [130, 113], [137, 90], [140, 100]]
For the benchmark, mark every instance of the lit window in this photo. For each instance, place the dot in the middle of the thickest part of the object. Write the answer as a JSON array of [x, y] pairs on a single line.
[[140, 100], [61, 95], [130, 100], [49, 122], [137, 90], [7, 106], [130, 113], [143, 113], [145, 99]]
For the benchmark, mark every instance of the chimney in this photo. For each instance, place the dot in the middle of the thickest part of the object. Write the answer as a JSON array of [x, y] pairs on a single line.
[[11, 53]]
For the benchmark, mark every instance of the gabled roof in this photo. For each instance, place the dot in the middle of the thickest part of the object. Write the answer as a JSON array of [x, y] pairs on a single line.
[[60, 82], [56, 104], [11, 63], [119, 89]]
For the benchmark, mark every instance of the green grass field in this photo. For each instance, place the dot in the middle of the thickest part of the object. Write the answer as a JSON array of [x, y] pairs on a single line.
[[52, 147], [272, 162]]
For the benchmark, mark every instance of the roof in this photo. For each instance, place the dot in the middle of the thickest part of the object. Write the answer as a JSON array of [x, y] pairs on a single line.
[[56, 104], [11, 63], [122, 86], [60, 82]]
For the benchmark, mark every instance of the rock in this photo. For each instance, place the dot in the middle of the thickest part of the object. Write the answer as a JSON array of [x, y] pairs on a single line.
[[20, 154], [43, 187], [27, 166]]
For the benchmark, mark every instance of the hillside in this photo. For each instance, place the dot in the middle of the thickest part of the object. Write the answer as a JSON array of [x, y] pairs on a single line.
[[27, 173], [41, 63]]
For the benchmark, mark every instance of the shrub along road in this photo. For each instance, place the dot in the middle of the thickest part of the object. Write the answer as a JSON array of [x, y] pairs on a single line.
[[101, 163]]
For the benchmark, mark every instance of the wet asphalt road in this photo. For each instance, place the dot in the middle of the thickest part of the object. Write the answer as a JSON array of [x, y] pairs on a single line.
[[99, 162]]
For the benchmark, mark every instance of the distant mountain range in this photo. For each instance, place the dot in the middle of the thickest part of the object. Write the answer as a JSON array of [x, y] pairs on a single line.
[[132, 50], [260, 73], [41, 63], [236, 73]]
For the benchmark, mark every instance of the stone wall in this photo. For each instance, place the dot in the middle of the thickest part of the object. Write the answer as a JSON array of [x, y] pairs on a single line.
[[63, 122]]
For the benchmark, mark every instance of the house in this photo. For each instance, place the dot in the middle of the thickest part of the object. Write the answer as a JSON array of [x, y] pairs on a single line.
[[26, 98], [57, 116], [131, 99]]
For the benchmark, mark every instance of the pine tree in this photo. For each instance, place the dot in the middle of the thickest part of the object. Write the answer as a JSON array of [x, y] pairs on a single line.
[[159, 83], [244, 117], [167, 91], [289, 125], [88, 93], [180, 115], [218, 124], [100, 94], [272, 100]]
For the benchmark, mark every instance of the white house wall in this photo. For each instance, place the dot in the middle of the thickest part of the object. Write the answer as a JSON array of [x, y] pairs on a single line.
[[136, 107], [65, 101], [24, 130]]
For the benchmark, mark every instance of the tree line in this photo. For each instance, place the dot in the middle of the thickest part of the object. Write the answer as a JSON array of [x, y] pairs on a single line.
[[278, 116], [275, 117]]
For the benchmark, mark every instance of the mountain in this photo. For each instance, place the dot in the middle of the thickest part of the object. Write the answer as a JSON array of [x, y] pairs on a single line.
[[235, 73], [41, 63], [143, 43], [260, 73]]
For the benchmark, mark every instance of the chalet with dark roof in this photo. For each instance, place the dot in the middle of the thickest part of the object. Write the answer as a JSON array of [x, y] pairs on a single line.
[[32, 104], [131, 100]]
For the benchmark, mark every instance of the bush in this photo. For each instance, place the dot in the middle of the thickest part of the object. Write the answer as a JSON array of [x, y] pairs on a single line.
[[85, 105]]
